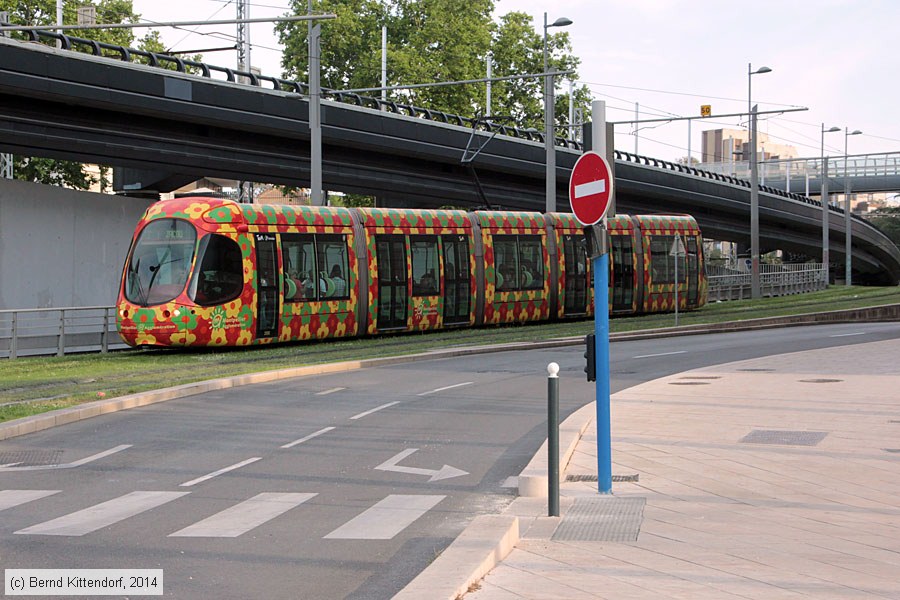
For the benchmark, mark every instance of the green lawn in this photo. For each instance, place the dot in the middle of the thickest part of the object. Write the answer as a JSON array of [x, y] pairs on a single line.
[[33, 385]]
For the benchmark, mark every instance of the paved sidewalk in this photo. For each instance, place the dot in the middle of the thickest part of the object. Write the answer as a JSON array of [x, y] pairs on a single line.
[[769, 478]]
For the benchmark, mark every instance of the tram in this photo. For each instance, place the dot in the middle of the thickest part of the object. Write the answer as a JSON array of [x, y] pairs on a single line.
[[211, 272]]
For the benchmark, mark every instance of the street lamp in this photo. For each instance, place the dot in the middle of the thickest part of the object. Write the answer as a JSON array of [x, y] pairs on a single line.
[[848, 260], [549, 118], [754, 185], [824, 195]]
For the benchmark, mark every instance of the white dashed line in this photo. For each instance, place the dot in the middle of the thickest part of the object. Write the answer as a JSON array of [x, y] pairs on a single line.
[[449, 387], [307, 438], [220, 471], [376, 409]]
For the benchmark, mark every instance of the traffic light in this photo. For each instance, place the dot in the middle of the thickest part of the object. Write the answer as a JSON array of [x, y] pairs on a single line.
[[590, 354]]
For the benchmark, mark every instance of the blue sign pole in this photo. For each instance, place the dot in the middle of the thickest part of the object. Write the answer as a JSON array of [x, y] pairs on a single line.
[[601, 340]]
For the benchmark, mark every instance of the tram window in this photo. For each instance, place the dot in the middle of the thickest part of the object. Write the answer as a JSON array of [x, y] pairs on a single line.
[[220, 277], [519, 262], [662, 263], [332, 261], [424, 254], [160, 262], [315, 267], [531, 262], [299, 260]]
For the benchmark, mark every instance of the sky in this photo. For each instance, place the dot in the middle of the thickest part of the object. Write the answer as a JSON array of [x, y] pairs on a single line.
[[838, 58]]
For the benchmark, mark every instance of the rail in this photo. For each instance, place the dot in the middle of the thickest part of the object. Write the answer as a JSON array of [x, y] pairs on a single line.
[[774, 280], [44, 331]]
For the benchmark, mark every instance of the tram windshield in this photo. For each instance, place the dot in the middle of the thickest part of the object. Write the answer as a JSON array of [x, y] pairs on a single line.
[[160, 262]]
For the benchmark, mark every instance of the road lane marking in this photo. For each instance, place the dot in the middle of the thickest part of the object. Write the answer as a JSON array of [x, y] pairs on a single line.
[[307, 438], [331, 391], [385, 519], [220, 471], [103, 514], [448, 387], [243, 517], [376, 409], [445, 472], [848, 334], [71, 465], [660, 354], [10, 498]]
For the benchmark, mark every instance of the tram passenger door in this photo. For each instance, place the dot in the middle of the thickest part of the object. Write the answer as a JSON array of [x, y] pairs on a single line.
[[693, 274], [457, 279], [576, 264], [392, 289], [266, 286], [622, 256]]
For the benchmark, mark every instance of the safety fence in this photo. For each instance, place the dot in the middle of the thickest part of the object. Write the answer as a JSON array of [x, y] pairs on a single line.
[[43, 331], [774, 280]]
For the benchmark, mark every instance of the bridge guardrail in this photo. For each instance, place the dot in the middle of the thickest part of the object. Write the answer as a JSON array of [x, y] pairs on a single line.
[[43, 331], [774, 280]]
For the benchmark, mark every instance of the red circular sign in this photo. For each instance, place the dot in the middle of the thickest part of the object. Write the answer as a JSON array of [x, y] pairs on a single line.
[[590, 188]]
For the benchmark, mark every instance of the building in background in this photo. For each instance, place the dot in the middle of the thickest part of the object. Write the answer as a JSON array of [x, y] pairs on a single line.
[[732, 145]]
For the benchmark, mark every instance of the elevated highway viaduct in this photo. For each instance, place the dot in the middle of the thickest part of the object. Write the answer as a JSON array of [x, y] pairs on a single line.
[[164, 128]]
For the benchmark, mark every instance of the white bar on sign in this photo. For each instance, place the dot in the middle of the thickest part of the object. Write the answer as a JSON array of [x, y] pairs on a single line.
[[589, 188]]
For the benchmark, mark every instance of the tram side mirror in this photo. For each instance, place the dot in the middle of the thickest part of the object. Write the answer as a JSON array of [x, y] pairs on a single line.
[[595, 235]]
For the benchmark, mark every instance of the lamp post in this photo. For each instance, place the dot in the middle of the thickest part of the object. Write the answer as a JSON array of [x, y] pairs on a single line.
[[824, 194], [754, 185], [549, 118], [848, 260]]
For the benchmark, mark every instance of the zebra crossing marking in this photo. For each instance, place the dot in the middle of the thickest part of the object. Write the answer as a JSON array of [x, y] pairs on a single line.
[[102, 515], [243, 517], [10, 498], [386, 518]]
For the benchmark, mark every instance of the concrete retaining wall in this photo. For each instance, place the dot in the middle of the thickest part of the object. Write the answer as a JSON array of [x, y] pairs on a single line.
[[60, 247]]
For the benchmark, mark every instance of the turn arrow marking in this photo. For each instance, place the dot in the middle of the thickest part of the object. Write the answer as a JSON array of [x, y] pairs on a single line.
[[445, 472]]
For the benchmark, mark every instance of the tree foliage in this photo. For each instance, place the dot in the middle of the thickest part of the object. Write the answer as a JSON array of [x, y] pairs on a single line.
[[888, 221], [43, 12], [431, 41]]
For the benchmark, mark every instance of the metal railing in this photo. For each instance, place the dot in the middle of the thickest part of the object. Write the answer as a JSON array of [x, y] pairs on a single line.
[[43, 331], [774, 280], [882, 164]]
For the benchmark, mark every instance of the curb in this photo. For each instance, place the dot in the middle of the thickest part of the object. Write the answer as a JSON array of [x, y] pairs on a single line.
[[533, 478], [17, 427], [479, 548]]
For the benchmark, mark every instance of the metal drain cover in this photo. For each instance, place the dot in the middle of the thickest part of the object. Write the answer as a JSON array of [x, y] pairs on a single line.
[[756, 370], [615, 478], [784, 438], [602, 520], [31, 458], [688, 383], [820, 380]]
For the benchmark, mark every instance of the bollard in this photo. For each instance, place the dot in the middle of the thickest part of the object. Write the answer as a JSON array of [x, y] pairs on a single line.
[[553, 439]]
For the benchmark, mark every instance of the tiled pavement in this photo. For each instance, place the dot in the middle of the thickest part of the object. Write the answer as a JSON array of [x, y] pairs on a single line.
[[770, 478]]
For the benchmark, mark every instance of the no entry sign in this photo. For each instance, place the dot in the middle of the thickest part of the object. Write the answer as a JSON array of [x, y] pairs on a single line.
[[590, 188]]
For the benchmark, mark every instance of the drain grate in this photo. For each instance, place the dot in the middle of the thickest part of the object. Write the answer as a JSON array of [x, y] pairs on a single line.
[[893, 450], [31, 458], [688, 383], [757, 370], [701, 377], [784, 438], [820, 380], [602, 520], [615, 478]]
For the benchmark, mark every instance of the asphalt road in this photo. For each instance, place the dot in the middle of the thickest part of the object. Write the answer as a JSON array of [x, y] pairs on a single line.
[[334, 486]]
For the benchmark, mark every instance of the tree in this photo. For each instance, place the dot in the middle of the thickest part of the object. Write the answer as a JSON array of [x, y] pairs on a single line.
[[431, 41], [43, 12], [888, 221]]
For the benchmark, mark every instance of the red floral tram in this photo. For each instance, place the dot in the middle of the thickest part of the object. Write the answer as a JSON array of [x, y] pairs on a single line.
[[211, 272]]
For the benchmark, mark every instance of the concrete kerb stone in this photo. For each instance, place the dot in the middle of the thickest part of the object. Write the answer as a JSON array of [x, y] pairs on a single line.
[[479, 548], [25, 425], [533, 478]]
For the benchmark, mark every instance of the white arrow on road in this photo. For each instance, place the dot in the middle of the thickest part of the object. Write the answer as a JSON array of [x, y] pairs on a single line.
[[445, 472]]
